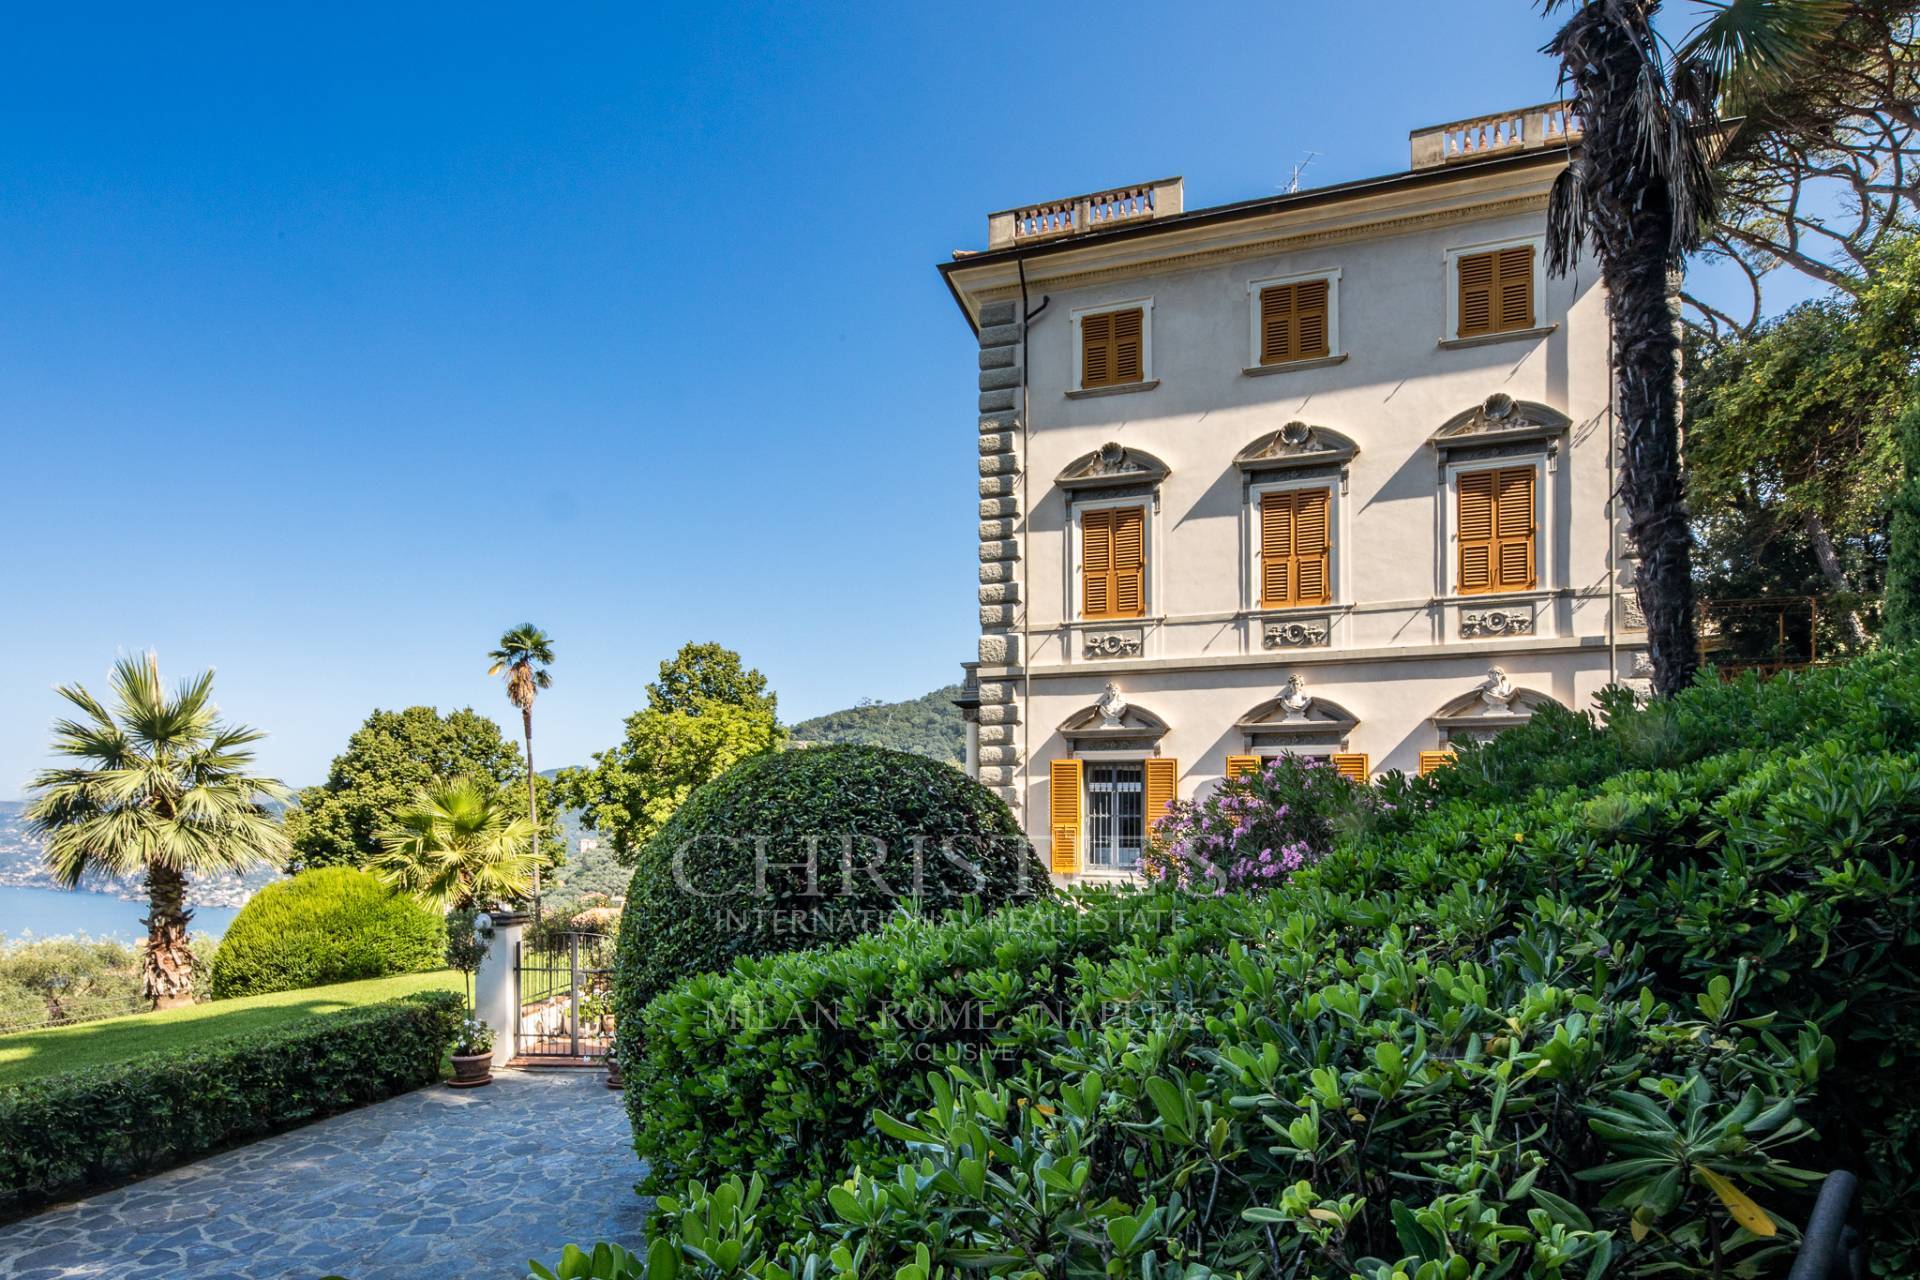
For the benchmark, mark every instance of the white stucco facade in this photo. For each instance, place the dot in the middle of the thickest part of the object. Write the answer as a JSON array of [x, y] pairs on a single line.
[[1385, 423]]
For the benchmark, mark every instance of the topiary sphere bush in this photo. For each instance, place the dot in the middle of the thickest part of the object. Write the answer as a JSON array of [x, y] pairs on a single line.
[[333, 924], [809, 848]]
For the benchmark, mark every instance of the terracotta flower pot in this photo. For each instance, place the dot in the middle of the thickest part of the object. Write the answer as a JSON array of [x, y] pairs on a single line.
[[471, 1070]]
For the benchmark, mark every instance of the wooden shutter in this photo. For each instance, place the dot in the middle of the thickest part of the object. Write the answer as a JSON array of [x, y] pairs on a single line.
[[1113, 563], [1096, 563], [1513, 289], [1513, 529], [1063, 815], [1163, 787], [1496, 291], [1242, 766], [1293, 322], [1112, 348], [1431, 760], [1497, 530], [1476, 531], [1351, 765], [1129, 562], [1295, 540]]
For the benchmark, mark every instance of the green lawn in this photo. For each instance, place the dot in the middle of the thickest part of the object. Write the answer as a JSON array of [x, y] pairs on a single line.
[[26, 1054]]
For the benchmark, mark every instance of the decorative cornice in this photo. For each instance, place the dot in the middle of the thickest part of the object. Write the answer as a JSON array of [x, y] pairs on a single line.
[[1376, 229]]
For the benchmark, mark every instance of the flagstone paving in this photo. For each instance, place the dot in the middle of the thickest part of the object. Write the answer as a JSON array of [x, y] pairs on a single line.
[[441, 1184]]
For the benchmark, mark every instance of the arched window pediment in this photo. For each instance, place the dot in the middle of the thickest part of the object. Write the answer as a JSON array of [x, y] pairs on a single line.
[[1296, 716], [1113, 465], [1296, 445], [1499, 420], [1112, 722], [1495, 703]]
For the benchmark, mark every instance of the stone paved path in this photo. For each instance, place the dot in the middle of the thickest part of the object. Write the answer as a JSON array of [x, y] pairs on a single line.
[[442, 1184]]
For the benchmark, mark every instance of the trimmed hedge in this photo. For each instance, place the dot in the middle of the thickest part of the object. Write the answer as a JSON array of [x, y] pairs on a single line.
[[729, 874], [1570, 1005], [334, 924], [62, 1134]]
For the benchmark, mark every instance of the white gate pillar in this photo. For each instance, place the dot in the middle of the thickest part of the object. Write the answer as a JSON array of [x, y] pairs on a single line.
[[496, 987]]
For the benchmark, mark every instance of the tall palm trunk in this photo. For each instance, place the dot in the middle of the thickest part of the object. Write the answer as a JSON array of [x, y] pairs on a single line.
[[1630, 208], [169, 960], [533, 806]]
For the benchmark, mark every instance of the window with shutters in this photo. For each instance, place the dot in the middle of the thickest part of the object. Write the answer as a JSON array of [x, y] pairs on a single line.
[[1114, 347], [1116, 814], [1496, 530], [1293, 319], [1495, 290], [1113, 562], [1295, 533]]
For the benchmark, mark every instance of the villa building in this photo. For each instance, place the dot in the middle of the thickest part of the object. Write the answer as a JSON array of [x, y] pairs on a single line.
[[1326, 472]]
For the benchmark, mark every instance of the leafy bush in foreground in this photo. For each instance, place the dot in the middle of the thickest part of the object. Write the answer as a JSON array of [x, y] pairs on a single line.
[[1569, 1011], [810, 848], [64, 1133], [332, 924]]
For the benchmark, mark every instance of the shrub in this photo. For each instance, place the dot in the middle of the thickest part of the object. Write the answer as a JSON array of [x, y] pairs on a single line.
[[64, 1133], [809, 848], [332, 924], [1257, 828], [1572, 1004]]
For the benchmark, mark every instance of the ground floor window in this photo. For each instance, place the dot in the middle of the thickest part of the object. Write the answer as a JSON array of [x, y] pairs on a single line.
[[1116, 814]]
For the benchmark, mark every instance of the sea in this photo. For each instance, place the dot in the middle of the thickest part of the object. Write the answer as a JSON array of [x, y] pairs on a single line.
[[60, 913]]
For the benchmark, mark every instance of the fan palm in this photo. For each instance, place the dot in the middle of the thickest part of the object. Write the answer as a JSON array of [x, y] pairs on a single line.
[[524, 655], [1640, 188], [161, 788], [456, 845]]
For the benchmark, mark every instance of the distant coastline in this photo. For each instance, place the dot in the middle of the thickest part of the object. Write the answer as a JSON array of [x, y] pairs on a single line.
[[29, 911]]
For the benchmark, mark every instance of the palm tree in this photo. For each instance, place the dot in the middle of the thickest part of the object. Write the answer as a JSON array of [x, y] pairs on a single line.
[[455, 845], [1640, 187], [524, 655], [161, 787]]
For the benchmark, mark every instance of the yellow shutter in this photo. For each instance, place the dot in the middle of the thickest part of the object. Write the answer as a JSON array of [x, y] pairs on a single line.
[[1293, 322], [1431, 760], [1242, 766], [1513, 290], [1496, 291], [1063, 815], [1351, 765], [1129, 562], [1112, 348], [1163, 787], [1096, 563], [1276, 549], [1513, 529], [1310, 543], [1294, 543], [1476, 294], [1475, 531]]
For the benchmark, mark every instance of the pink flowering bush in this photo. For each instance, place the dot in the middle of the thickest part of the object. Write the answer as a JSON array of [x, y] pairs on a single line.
[[1256, 831]]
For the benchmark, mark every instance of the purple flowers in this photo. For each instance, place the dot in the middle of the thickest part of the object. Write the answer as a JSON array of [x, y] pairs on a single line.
[[1255, 831]]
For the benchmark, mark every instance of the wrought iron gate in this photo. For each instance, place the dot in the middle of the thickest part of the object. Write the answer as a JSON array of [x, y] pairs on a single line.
[[565, 998]]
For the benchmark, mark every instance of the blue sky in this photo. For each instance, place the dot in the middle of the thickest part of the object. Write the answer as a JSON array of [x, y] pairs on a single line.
[[334, 340]]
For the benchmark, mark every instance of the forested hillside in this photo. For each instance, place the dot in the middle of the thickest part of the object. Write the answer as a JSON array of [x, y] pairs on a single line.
[[928, 726]]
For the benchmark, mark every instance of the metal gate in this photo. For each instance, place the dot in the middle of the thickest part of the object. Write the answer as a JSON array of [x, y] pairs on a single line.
[[565, 998]]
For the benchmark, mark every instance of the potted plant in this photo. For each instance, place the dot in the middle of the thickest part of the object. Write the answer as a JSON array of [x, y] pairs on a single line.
[[472, 1054]]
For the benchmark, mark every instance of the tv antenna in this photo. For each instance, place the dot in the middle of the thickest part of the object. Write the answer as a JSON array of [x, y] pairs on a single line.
[[1293, 183]]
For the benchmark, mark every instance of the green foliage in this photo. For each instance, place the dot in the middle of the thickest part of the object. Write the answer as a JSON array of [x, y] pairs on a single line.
[[333, 924], [62, 1134], [53, 981], [457, 844], [1791, 440], [928, 726], [807, 848], [1589, 1000], [1903, 531], [703, 674], [387, 760], [704, 715]]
